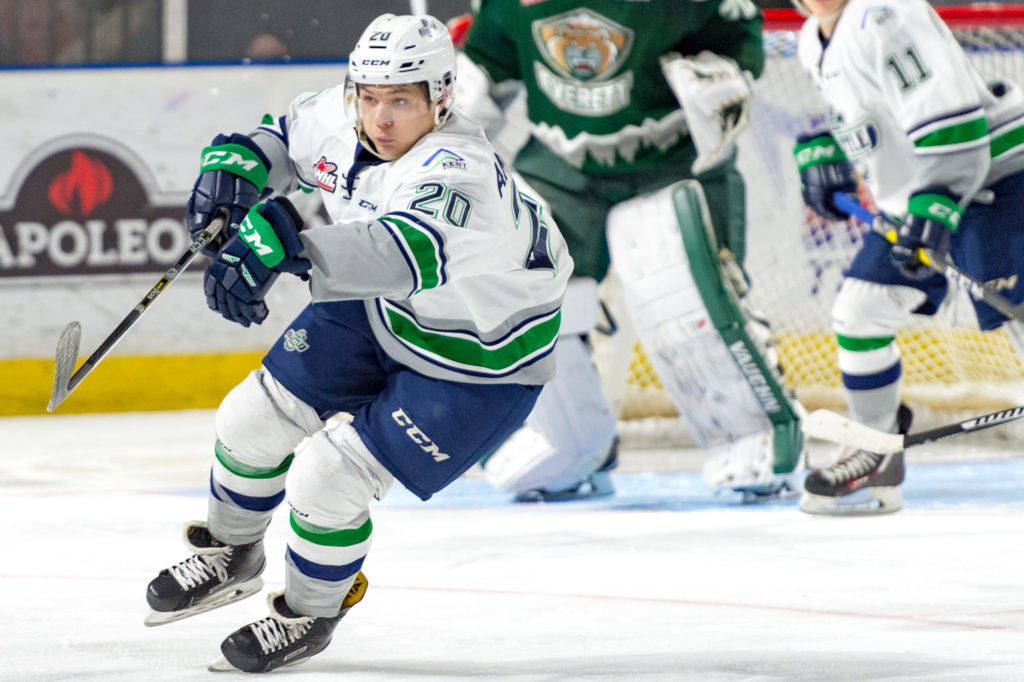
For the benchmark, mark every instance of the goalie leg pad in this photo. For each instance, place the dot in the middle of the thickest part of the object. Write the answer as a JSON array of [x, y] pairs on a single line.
[[258, 424], [571, 430], [567, 436], [700, 341]]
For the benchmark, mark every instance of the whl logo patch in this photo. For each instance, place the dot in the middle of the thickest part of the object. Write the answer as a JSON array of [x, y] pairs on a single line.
[[326, 174]]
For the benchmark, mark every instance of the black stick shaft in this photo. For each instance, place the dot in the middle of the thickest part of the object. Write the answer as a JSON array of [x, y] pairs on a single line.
[[129, 321], [985, 421]]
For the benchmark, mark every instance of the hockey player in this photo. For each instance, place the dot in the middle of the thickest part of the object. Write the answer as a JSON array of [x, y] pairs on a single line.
[[436, 297], [604, 81], [937, 148]]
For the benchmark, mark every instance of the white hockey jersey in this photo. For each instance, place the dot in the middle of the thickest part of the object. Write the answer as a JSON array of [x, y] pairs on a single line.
[[907, 107], [461, 271]]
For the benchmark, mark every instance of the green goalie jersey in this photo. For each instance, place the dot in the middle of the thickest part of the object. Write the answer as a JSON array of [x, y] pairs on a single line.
[[596, 94]]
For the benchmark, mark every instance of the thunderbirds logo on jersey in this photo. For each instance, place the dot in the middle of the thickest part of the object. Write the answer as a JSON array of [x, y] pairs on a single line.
[[84, 209], [583, 50], [326, 175]]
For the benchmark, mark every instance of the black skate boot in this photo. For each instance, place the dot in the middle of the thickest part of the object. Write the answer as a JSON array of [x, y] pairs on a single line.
[[216, 575], [284, 637], [597, 484], [860, 482]]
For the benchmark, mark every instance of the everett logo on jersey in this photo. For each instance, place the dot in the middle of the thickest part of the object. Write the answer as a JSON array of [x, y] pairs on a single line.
[[585, 49], [326, 177]]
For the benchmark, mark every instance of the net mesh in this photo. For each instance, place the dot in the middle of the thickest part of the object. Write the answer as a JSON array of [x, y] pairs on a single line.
[[796, 260]]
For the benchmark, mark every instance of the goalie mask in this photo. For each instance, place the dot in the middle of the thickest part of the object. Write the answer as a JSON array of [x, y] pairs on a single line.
[[403, 50]]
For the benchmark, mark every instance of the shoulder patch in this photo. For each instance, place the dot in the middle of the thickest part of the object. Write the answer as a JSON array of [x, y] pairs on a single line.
[[876, 15], [445, 159]]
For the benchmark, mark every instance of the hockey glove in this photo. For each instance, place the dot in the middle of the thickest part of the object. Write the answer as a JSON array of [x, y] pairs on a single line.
[[271, 230], [824, 170], [715, 96], [933, 215], [233, 172], [236, 282]]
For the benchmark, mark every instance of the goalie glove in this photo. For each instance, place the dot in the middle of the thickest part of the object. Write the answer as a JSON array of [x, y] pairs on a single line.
[[715, 97]]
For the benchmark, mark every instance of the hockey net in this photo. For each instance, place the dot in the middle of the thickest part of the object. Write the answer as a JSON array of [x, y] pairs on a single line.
[[796, 259]]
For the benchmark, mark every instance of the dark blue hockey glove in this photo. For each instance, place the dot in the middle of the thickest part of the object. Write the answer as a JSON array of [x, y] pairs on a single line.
[[271, 230], [233, 172], [266, 244], [824, 170], [933, 215], [236, 282]]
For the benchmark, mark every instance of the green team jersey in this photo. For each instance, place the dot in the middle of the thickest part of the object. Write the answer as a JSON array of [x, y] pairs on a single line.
[[596, 95]]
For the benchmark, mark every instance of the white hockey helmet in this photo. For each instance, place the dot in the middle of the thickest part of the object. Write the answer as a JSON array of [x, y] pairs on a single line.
[[399, 50]]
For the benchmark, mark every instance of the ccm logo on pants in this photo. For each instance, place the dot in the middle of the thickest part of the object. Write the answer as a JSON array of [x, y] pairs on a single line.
[[417, 436]]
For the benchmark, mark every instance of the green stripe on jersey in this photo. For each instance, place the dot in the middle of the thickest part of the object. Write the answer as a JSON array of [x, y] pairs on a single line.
[[1004, 142], [331, 537], [958, 133], [425, 250], [855, 343], [245, 470], [473, 352]]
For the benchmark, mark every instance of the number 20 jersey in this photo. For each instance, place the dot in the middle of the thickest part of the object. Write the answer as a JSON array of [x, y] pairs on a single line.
[[907, 106], [461, 270]]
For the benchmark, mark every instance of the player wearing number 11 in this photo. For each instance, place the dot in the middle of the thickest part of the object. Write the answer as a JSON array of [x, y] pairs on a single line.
[[940, 149], [436, 304]]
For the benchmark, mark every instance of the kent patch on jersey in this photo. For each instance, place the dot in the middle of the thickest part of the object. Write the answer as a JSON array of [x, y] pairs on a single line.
[[447, 159], [326, 177]]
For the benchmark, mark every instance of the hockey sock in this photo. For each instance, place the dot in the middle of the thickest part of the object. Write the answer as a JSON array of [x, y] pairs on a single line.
[[871, 372], [323, 562], [243, 497]]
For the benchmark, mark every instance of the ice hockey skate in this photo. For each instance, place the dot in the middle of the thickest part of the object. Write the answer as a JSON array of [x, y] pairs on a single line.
[[859, 482], [284, 637], [215, 575]]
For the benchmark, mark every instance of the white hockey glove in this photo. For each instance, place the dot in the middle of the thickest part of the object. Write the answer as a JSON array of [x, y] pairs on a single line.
[[715, 96]]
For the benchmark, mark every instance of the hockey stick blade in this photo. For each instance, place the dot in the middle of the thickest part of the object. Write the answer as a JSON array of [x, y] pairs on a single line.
[[834, 427], [64, 365], [65, 379]]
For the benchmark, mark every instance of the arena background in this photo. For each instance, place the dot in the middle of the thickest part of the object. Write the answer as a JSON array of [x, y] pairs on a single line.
[[104, 107]]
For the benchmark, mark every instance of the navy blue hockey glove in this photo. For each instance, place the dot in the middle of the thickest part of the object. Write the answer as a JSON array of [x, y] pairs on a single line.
[[933, 215], [267, 243], [233, 172], [824, 170], [271, 230], [236, 282]]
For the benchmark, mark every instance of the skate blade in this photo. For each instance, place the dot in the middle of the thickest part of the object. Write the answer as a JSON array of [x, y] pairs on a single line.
[[222, 665], [230, 596], [865, 502]]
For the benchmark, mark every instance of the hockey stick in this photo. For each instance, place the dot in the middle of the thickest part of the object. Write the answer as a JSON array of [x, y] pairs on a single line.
[[64, 382], [834, 427], [885, 225]]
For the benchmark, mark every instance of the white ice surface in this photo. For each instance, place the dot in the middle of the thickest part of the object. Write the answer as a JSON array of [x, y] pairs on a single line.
[[662, 581]]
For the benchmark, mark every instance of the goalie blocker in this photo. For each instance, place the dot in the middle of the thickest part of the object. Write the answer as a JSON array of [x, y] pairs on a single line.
[[684, 298]]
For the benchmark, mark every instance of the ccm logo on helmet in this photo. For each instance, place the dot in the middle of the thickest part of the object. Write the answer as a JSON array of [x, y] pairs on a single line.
[[417, 436], [375, 62]]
